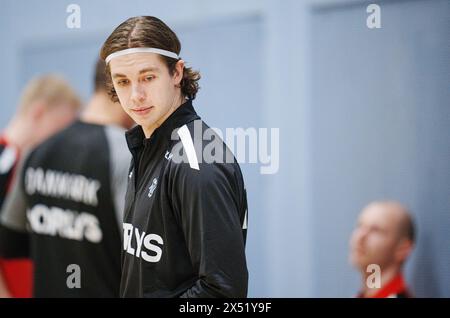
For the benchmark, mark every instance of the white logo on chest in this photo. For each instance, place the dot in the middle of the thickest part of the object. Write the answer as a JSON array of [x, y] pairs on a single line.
[[152, 187], [168, 155]]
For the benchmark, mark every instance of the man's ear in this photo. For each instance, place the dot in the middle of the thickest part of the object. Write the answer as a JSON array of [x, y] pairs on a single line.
[[178, 72], [404, 249]]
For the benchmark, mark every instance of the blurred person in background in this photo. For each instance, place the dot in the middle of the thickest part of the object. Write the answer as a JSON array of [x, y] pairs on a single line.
[[384, 236], [47, 105], [69, 196]]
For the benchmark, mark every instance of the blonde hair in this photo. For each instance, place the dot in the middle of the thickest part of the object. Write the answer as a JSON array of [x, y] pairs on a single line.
[[51, 89]]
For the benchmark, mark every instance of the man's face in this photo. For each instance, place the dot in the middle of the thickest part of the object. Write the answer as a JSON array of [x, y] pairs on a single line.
[[146, 90], [376, 238]]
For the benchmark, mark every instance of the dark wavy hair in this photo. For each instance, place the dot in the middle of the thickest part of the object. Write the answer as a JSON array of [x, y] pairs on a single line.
[[148, 31]]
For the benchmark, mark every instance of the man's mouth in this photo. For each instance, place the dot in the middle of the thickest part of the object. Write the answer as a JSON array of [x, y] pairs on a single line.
[[142, 110]]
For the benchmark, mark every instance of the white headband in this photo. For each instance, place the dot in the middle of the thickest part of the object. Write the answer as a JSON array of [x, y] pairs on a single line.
[[141, 50]]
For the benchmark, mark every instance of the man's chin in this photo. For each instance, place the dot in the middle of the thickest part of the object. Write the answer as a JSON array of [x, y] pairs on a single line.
[[145, 122], [358, 262]]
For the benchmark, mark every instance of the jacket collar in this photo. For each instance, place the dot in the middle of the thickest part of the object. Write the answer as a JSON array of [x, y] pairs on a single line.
[[182, 115]]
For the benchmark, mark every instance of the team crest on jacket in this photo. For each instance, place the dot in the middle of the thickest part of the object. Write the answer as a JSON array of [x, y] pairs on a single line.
[[152, 187], [168, 155]]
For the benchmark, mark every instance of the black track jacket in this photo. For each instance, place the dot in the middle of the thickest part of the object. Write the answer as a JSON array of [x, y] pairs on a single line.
[[185, 218]]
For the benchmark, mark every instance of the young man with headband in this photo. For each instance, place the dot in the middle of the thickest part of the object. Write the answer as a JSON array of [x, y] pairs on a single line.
[[185, 219]]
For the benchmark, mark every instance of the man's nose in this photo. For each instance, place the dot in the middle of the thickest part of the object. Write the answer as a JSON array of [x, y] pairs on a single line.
[[359, 235], [138, 94], [362, 235]]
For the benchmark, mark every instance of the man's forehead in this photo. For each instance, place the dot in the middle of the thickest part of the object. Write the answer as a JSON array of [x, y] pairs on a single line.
[[378, 214], [135, 63]]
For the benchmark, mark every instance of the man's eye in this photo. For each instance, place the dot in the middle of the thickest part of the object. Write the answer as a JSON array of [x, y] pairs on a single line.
[[149, 78], [377, 230], [122, 82]]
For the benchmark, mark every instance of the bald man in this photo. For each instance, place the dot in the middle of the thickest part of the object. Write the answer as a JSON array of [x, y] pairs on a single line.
[[384, 236]]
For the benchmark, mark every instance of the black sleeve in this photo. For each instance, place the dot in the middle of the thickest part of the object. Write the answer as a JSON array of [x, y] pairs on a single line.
[[208, 202], [14, 237]]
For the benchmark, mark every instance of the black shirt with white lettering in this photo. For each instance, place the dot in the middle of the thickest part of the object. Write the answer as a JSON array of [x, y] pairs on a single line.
[[185, 213], [73, 187]]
